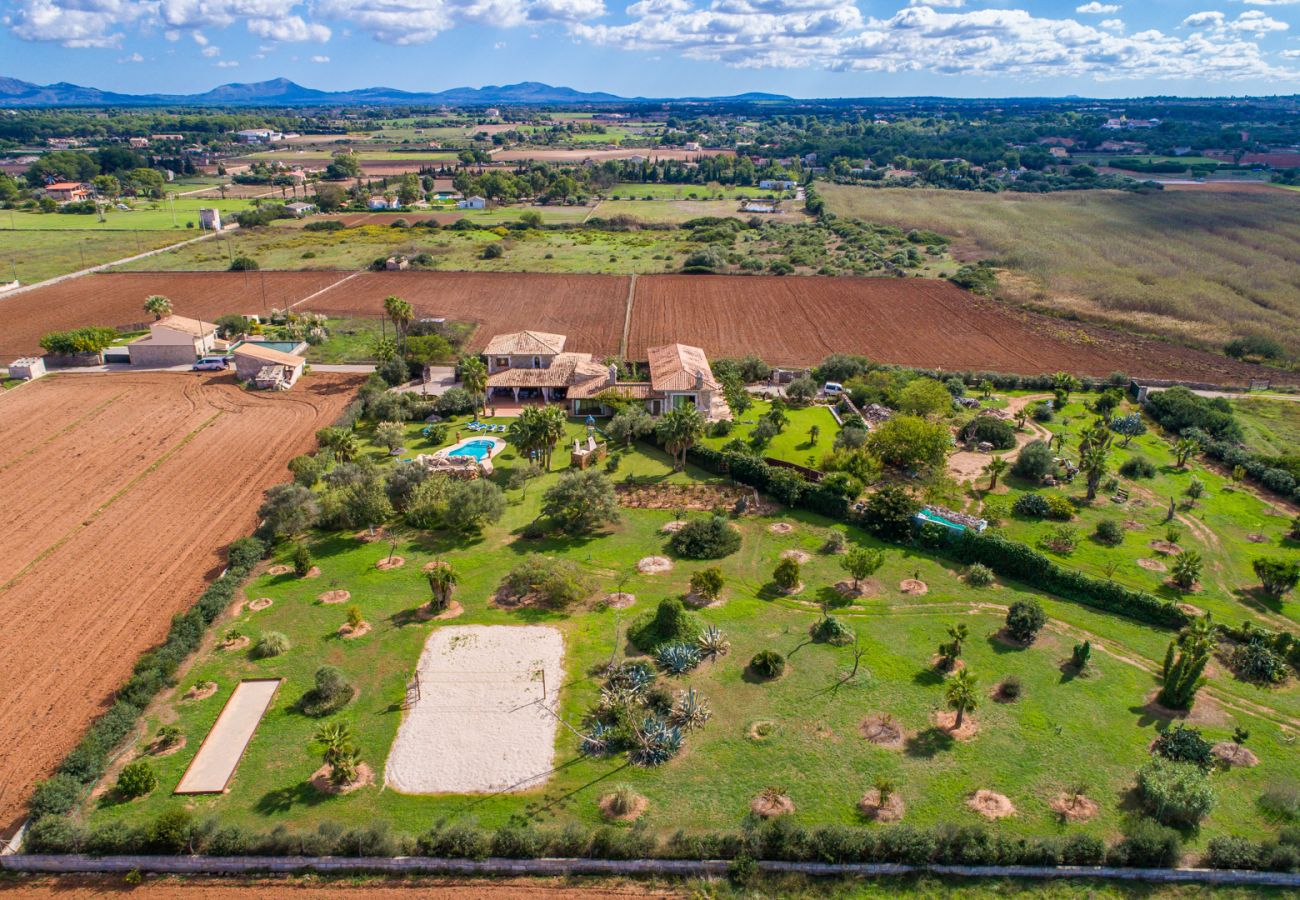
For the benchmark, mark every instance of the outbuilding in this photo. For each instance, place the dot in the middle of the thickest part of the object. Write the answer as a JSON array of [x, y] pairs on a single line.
[[174, 341], [266, 366]]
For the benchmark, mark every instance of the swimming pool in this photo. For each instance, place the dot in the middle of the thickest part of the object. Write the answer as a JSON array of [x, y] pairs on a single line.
[[939, 520], [478, 449]]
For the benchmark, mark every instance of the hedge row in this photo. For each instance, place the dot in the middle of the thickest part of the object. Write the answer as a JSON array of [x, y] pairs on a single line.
[[1257, 467], [154, 671], [1007, 558]]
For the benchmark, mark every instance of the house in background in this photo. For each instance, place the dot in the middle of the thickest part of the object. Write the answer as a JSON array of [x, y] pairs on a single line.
[[174, 341], [475, 202], [300, 209], [777, 184], [67, 191], [378, 202], [534, 364], [210, 219]]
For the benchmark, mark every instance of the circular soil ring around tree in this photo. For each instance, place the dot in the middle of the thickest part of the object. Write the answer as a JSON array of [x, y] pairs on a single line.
[[238, 643], [260, 604], [389, 563], [991, 805], [313, 572], [799, 556], [1073, 807], [368, 536], [654, 565], [453, 610], [320, 780], [791, 591], [913, 586], [695, 601], [946, 720], [781, 528], [890, 811], [761, 730], [883, 731], [619, 600], [331, 597], [1256, 538], [1152, 565], [1190, 610], [1166, 548], [157, 750], [639, 805], [201, 691], [769, 806], [279, 570], [348, 633], [673, 527], [436, 564], [1234, 755]]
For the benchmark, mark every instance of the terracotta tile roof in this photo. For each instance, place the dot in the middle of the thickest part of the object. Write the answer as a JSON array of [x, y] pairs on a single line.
[[566, 369], [633, 390], [268, 354], [185, 325], [520, 343], [678, 367]]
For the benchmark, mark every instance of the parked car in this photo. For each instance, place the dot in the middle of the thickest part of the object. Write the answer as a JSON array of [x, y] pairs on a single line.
[[211, 364], [832, 388]]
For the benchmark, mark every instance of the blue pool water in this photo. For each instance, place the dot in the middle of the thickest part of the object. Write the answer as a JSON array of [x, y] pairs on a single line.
[[282, 346], [938, 519], [479, 450]]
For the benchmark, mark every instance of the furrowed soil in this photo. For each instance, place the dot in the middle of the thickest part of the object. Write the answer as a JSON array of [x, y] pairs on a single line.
[[913, 321], [118, 299], [129, 488]]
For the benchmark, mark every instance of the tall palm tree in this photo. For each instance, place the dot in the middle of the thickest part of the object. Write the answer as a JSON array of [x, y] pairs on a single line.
[[995, 467], [345, 447], [158, 305], [524, 432], [442, 582], [401, 313], [550, 430], [473, 372], [962, 695], [679, 429]]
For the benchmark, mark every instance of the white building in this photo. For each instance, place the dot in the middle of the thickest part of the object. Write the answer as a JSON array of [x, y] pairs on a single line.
[[210, 219], [474, 202], [777, 184]]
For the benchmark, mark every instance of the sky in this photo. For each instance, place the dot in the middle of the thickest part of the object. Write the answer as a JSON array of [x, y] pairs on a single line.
[[666, 48]]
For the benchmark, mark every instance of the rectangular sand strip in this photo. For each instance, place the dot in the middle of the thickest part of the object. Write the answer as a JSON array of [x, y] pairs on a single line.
[[214, 765]]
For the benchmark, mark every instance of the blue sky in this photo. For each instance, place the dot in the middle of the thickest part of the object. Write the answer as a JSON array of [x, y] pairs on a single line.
[[807, 48]]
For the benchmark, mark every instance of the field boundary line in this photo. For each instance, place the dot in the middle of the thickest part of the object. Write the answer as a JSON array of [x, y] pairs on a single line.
[[234, 865], [125, 489], [59, 279], [329, 287], [627, 315], [62, 431]]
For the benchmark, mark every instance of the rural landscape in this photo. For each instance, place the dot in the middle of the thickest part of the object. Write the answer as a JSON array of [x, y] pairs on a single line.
[[517, 490]]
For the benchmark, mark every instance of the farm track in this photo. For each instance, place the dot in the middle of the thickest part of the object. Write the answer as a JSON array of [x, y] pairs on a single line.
[[127, 514], [791, 321]]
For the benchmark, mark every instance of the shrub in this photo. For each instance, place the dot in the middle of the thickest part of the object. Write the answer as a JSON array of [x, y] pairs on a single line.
[[1059, 508], [1257, 662], [999, 433], [301, 560], [580, 501], [243, 264], [1035, 460], [668, 623], [1138, 467], [1109, 532], [1031, 506], [1233, 853], [136, 780], [1025, 619], [832, 630], [331, 693], [768, 664], [1175, 793], [707, 583], [1147, 844], [707, 538], [1010, 688], [786, 574], [1278, 576], [557, 583], [1281, 800], [979, 575], [1183, 744], [273, 643], [473, 504], [54, 796]]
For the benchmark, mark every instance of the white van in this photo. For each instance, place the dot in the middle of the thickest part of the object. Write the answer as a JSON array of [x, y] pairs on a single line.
[[832, 388]]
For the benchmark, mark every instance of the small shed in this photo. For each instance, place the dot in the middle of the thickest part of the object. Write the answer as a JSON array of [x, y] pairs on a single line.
[[29, 368], [175, 341], [252, 358]]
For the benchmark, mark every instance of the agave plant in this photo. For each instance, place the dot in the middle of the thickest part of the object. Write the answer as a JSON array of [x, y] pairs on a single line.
[[690, 710], [678, 658], [596, 743], [656, 743], [634, 677], [617, 696], [712, 642]]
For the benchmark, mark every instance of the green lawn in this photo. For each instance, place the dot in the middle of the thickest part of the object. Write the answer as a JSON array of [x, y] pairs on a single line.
[[33, 256], [179, 215], [1271, 426], [794, 443], [1065, 731], [677, 211], [636, 191]]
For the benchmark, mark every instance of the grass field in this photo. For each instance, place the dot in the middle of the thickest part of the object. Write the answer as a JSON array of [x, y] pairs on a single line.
[[153, 215], [636, 191], [677, 211], [1191, 265], [33, 256], [793, 444], [1271, 426], [1063, 731]]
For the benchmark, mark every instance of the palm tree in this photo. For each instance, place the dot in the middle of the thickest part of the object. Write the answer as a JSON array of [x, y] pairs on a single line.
[[1184, 450], [950, 651], [1093, 459], [345, 447], [473, 373], [550, 430], [339, 753], [996, 466], [1186, 569], [158, 305], [962, 695], [401, 313], [679, 429], [524, 432], [1063, 383], [442, 581], [814, 432]]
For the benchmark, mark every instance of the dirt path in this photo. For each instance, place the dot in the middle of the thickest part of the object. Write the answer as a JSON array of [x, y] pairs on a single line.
[[968, 465], [316, 888], [627, 316]]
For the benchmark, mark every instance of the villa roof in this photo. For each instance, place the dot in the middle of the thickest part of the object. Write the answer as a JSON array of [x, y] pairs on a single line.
[[633, 390], [565, 370], [521, 343], [186, 325], [680, 367]]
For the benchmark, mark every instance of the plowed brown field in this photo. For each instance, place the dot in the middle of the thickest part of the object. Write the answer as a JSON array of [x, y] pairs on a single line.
[[118, 299], [912, 321], [128, 488], [590, 309]]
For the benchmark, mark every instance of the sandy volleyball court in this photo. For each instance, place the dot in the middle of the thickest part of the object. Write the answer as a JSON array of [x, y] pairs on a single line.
[[479, 726]]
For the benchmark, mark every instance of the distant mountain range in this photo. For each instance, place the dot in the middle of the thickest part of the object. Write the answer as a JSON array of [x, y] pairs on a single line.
[[283, 92]]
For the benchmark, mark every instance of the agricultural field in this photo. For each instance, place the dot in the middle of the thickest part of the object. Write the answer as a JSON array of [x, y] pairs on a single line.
[[638, 191], [1199, 266], [913, 321], [1064, 731], [117, 300], [134, 484], [34, 256], [179, 215], [674, 212], [1271, 426]]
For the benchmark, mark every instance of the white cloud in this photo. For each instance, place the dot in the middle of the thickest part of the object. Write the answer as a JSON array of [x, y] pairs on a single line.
[[211, 51], [289, 29], [1112, 24], [1096, 8], [1291, 54], [1257, 22], [950, 4], [227, 64], [133, 58], [1204, 20], [320, 59], [1270, 2]]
